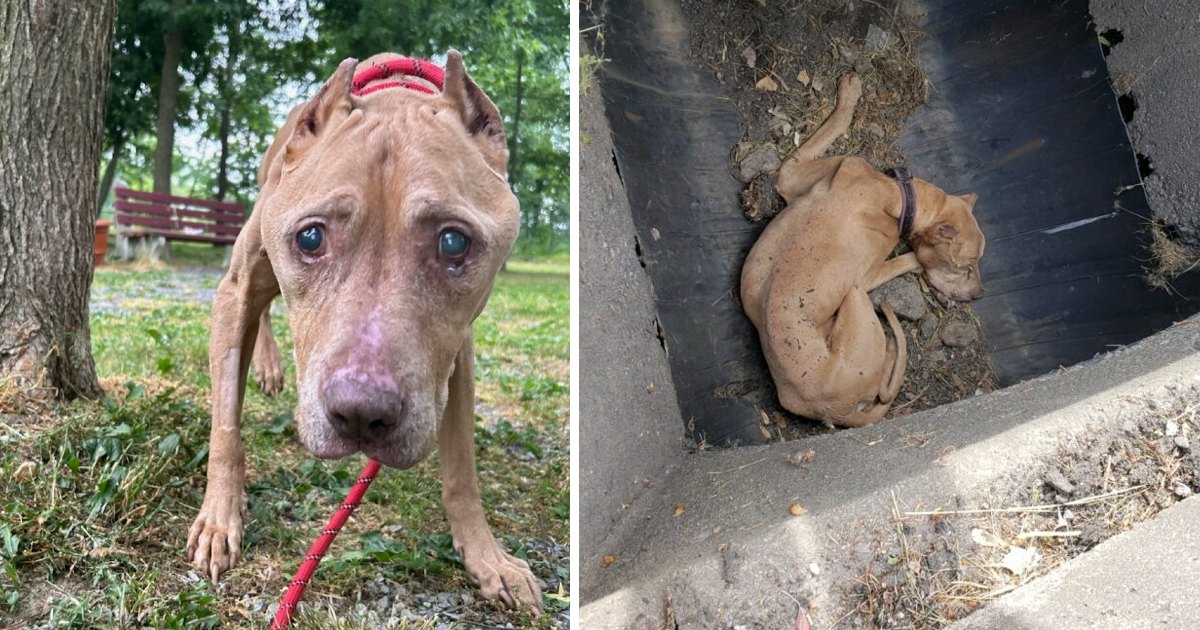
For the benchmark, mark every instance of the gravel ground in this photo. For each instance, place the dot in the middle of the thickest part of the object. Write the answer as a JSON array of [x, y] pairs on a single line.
[[186, 285]]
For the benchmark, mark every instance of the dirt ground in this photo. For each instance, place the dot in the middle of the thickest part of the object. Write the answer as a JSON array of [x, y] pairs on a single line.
[[779, 62], [936, 566]]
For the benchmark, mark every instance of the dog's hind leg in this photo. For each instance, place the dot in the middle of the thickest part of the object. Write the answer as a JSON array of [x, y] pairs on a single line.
[[268, 363], [799, 173]]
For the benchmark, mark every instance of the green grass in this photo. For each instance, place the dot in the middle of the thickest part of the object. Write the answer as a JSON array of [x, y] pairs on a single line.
[[97, 497]]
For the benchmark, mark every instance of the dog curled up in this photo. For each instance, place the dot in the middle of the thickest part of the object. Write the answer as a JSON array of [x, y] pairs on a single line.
[[805, 281]]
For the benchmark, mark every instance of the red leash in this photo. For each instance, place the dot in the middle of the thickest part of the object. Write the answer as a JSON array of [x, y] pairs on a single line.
[[295, 591], [397, 66]]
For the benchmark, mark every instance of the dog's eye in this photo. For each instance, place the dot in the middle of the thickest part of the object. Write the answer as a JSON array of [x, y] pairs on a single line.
[[453, 244], [311, 239]]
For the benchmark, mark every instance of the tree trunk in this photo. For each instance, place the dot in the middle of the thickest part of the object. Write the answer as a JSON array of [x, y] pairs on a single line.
[[168, 99], [513, 143], [225, 93], [110, 173], [54, 64]]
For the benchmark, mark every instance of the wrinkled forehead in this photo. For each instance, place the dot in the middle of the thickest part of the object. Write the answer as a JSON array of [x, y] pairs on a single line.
[[413, 148]]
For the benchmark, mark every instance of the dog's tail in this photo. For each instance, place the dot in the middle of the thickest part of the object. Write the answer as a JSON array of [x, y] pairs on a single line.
[[889, 388]]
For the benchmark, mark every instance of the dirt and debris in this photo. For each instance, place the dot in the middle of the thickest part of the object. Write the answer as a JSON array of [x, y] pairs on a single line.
[[935, 566], [798, 50]]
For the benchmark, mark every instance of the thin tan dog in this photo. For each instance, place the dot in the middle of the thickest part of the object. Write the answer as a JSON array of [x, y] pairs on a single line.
[[805, 282], [382, 220]]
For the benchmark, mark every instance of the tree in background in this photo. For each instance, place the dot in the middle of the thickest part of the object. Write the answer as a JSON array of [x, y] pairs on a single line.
[[517, 50], [54, 66], [249, 62]]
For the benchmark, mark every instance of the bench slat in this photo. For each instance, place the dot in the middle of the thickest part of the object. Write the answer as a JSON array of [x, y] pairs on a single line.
[[150, 209], [183, 236], [167, 223], [173, 199]]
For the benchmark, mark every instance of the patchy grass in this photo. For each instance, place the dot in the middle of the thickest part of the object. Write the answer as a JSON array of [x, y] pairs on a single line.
[[98, 497]]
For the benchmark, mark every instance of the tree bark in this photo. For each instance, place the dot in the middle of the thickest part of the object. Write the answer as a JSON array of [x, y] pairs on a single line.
[[54, 65], [168, 100]]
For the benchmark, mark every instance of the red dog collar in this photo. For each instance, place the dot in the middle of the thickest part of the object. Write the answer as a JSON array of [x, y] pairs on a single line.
[[402, 66]]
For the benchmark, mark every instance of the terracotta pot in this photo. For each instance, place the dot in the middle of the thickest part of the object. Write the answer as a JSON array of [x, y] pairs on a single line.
[[101, 245]]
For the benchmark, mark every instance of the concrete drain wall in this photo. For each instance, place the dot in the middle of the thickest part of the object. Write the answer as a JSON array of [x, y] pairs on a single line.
[[707, 539]]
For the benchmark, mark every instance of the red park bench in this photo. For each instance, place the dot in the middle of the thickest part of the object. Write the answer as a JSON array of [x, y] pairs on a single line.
[[144, 215]]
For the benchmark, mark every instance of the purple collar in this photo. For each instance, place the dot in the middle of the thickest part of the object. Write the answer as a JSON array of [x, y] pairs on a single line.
[[909, 214]]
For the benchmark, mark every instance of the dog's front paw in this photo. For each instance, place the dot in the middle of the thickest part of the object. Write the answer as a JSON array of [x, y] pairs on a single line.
[[849, 88], [502, 577], [268, 371], [215, 539]]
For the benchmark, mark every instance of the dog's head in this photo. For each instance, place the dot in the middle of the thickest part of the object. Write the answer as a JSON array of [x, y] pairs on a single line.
[[949, 248], [385, 218]]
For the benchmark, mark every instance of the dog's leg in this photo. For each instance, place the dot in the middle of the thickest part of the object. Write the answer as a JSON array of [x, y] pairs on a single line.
[[798, 174], [499, 575], [214, 540], [268, 363], [891, 268]]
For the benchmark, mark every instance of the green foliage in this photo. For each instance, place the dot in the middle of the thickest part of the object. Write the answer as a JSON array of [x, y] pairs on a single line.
[[245, 64]]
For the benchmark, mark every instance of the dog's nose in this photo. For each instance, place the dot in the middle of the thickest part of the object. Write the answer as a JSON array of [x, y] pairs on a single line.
[[360, 407]]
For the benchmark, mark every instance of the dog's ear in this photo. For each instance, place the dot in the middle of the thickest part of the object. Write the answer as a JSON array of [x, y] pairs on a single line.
[[330, 106], [970, 199], [478, 113], [945, 233]]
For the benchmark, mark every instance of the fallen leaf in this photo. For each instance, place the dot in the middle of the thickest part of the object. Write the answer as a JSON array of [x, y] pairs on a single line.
[[24, 472], [1020, 561], [650, 388], [679, 509], [104, 552], [795, 510], [767, 84], [801, 458], [607, 561], [984, 538], [803, 78]]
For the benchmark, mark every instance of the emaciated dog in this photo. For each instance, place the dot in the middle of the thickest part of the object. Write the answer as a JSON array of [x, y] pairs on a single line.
[[805, 282], [383, 218]]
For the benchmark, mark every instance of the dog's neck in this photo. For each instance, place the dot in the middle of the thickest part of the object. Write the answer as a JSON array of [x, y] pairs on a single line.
[[908, 199]]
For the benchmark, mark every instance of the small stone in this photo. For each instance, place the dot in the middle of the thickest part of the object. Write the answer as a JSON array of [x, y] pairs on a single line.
[[1172, 428], [1182, 442], [1059, 482], [802, 77], [1182, 490], [763, 160], [929, 325], [879, 39], [383, 605], [959, 334], [903, 295], [814, 568]]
